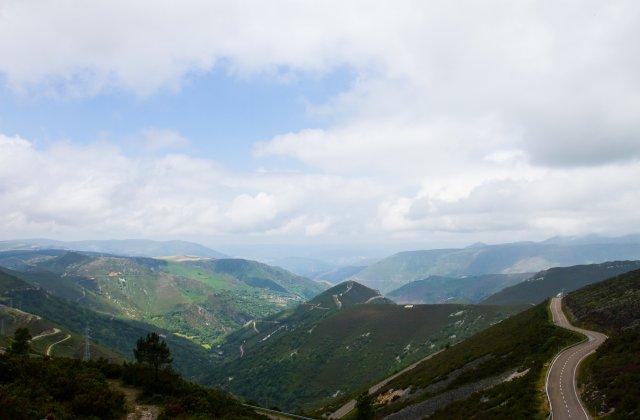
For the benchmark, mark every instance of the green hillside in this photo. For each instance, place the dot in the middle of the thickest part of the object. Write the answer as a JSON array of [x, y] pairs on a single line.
[[611, 377], [467, 289], [201, 299], [117, 335], [338, 342], [555, 280], [523, 257], [62, 388], [57, 340], [497, 373], [252, 272]]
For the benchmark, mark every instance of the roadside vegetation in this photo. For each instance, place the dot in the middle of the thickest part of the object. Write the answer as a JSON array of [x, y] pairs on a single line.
[[610, 378], [495, 373]]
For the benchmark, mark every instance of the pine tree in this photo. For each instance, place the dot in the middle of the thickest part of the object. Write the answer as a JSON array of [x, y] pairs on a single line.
[[152, 351], [20, 344]]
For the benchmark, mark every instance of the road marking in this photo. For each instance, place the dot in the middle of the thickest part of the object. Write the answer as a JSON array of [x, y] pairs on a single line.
[[559, 319]]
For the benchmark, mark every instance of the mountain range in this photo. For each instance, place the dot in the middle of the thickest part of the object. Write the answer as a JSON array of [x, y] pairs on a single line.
[[479, 342], [201, 299], [306, 358], [550, 282], [128, 247], [522, 257], [466, 289]]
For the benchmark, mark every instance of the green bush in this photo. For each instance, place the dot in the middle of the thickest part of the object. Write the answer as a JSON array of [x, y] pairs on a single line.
[[34, 388]]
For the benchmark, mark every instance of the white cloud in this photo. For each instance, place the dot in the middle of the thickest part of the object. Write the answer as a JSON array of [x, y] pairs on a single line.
[[249, 212], [161, 139], [96, 190], [463, 117]]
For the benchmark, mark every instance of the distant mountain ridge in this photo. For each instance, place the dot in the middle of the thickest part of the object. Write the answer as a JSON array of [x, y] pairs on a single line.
[[550, 282], [466, 289], [340, 274], [126, 247], [404, 267]]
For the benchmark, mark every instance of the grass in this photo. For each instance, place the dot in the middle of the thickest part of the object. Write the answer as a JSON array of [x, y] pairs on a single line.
[[314, 357], [527, 340], [213, 280]]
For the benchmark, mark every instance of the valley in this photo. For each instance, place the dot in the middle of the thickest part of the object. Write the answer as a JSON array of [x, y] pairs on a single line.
[[319, 210], [201, 299], [437, 347], [465, 289], [346, 330]]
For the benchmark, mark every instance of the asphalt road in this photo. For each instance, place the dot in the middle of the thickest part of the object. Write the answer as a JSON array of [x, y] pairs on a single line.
[[561, 377]]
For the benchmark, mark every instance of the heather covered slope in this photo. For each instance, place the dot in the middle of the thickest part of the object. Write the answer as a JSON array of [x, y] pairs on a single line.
[[523, 257], [336, 343], [559, 279], [612, 305], [497, 373], [467, 289], [611, 377]]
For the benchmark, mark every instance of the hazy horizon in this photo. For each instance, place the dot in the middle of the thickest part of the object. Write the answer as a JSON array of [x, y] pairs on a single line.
[[342, 254]]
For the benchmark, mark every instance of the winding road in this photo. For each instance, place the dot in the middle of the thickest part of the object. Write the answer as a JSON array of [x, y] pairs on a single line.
[[561, 377], [45, 333], [48, 351]]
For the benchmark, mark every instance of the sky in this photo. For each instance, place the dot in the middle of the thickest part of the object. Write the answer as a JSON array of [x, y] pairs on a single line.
[[306, 123]]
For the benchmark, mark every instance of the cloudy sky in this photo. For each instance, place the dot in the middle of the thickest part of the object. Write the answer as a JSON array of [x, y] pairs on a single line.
[[431, 122]]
